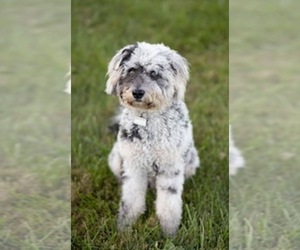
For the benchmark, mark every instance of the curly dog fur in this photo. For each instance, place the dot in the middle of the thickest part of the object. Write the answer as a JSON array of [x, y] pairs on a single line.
[[155, 143]]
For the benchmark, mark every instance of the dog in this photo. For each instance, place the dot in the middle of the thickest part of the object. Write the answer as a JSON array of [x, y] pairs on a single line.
[[236, 159], [155, 144]]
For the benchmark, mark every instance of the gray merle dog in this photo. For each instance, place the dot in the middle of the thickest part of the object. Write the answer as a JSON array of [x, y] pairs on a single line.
[[155, 143]]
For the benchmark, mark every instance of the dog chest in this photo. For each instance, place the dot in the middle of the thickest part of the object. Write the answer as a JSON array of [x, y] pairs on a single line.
[[159, 139]]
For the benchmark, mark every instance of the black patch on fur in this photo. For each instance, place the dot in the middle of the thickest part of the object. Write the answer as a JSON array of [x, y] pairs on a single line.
[[169, 189], [189, 156], [179, 111], [172, 190], [123, 176], [129, 78], [124, 134], [156, 169], [126, 54], [177, 172], [185, 124], [173, 68], [132, 134], [186, 153], [160, 66], [114, 128]]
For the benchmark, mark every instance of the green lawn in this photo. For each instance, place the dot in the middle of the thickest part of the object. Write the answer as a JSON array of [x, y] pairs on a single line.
[[264, 110], [35, 125], [199, 31]]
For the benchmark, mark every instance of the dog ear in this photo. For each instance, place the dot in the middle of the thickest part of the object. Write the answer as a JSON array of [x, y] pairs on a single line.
[[115, 68], [180, 69]]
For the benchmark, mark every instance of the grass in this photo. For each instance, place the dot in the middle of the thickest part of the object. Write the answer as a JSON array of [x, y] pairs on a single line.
[[35, 124], [264, 109], [199, 31]]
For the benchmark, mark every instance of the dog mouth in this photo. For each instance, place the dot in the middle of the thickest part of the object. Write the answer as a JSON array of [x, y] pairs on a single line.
[[142, 105]]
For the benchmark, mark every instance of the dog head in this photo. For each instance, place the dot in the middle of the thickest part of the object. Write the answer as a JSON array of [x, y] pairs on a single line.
[[147, 76]]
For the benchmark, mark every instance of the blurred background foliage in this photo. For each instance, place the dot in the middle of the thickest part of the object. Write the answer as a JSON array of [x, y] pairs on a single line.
[[264, 112], [35, 125]]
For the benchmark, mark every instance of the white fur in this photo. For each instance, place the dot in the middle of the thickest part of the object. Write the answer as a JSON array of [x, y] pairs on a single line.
[[162, 153]]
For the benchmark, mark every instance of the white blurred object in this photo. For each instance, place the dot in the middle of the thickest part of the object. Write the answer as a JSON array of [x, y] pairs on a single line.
[[68, 86], [68, 91], [236, 159]]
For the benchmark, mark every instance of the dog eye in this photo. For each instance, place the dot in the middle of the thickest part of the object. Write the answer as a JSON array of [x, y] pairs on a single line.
[[154, 75], [131, 71]]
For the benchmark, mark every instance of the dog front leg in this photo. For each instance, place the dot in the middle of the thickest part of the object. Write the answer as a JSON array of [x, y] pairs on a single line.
[[169, 201], [132, 205]]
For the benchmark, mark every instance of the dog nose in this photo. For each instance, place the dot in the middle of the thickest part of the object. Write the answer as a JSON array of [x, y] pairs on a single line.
[[138, 94]]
